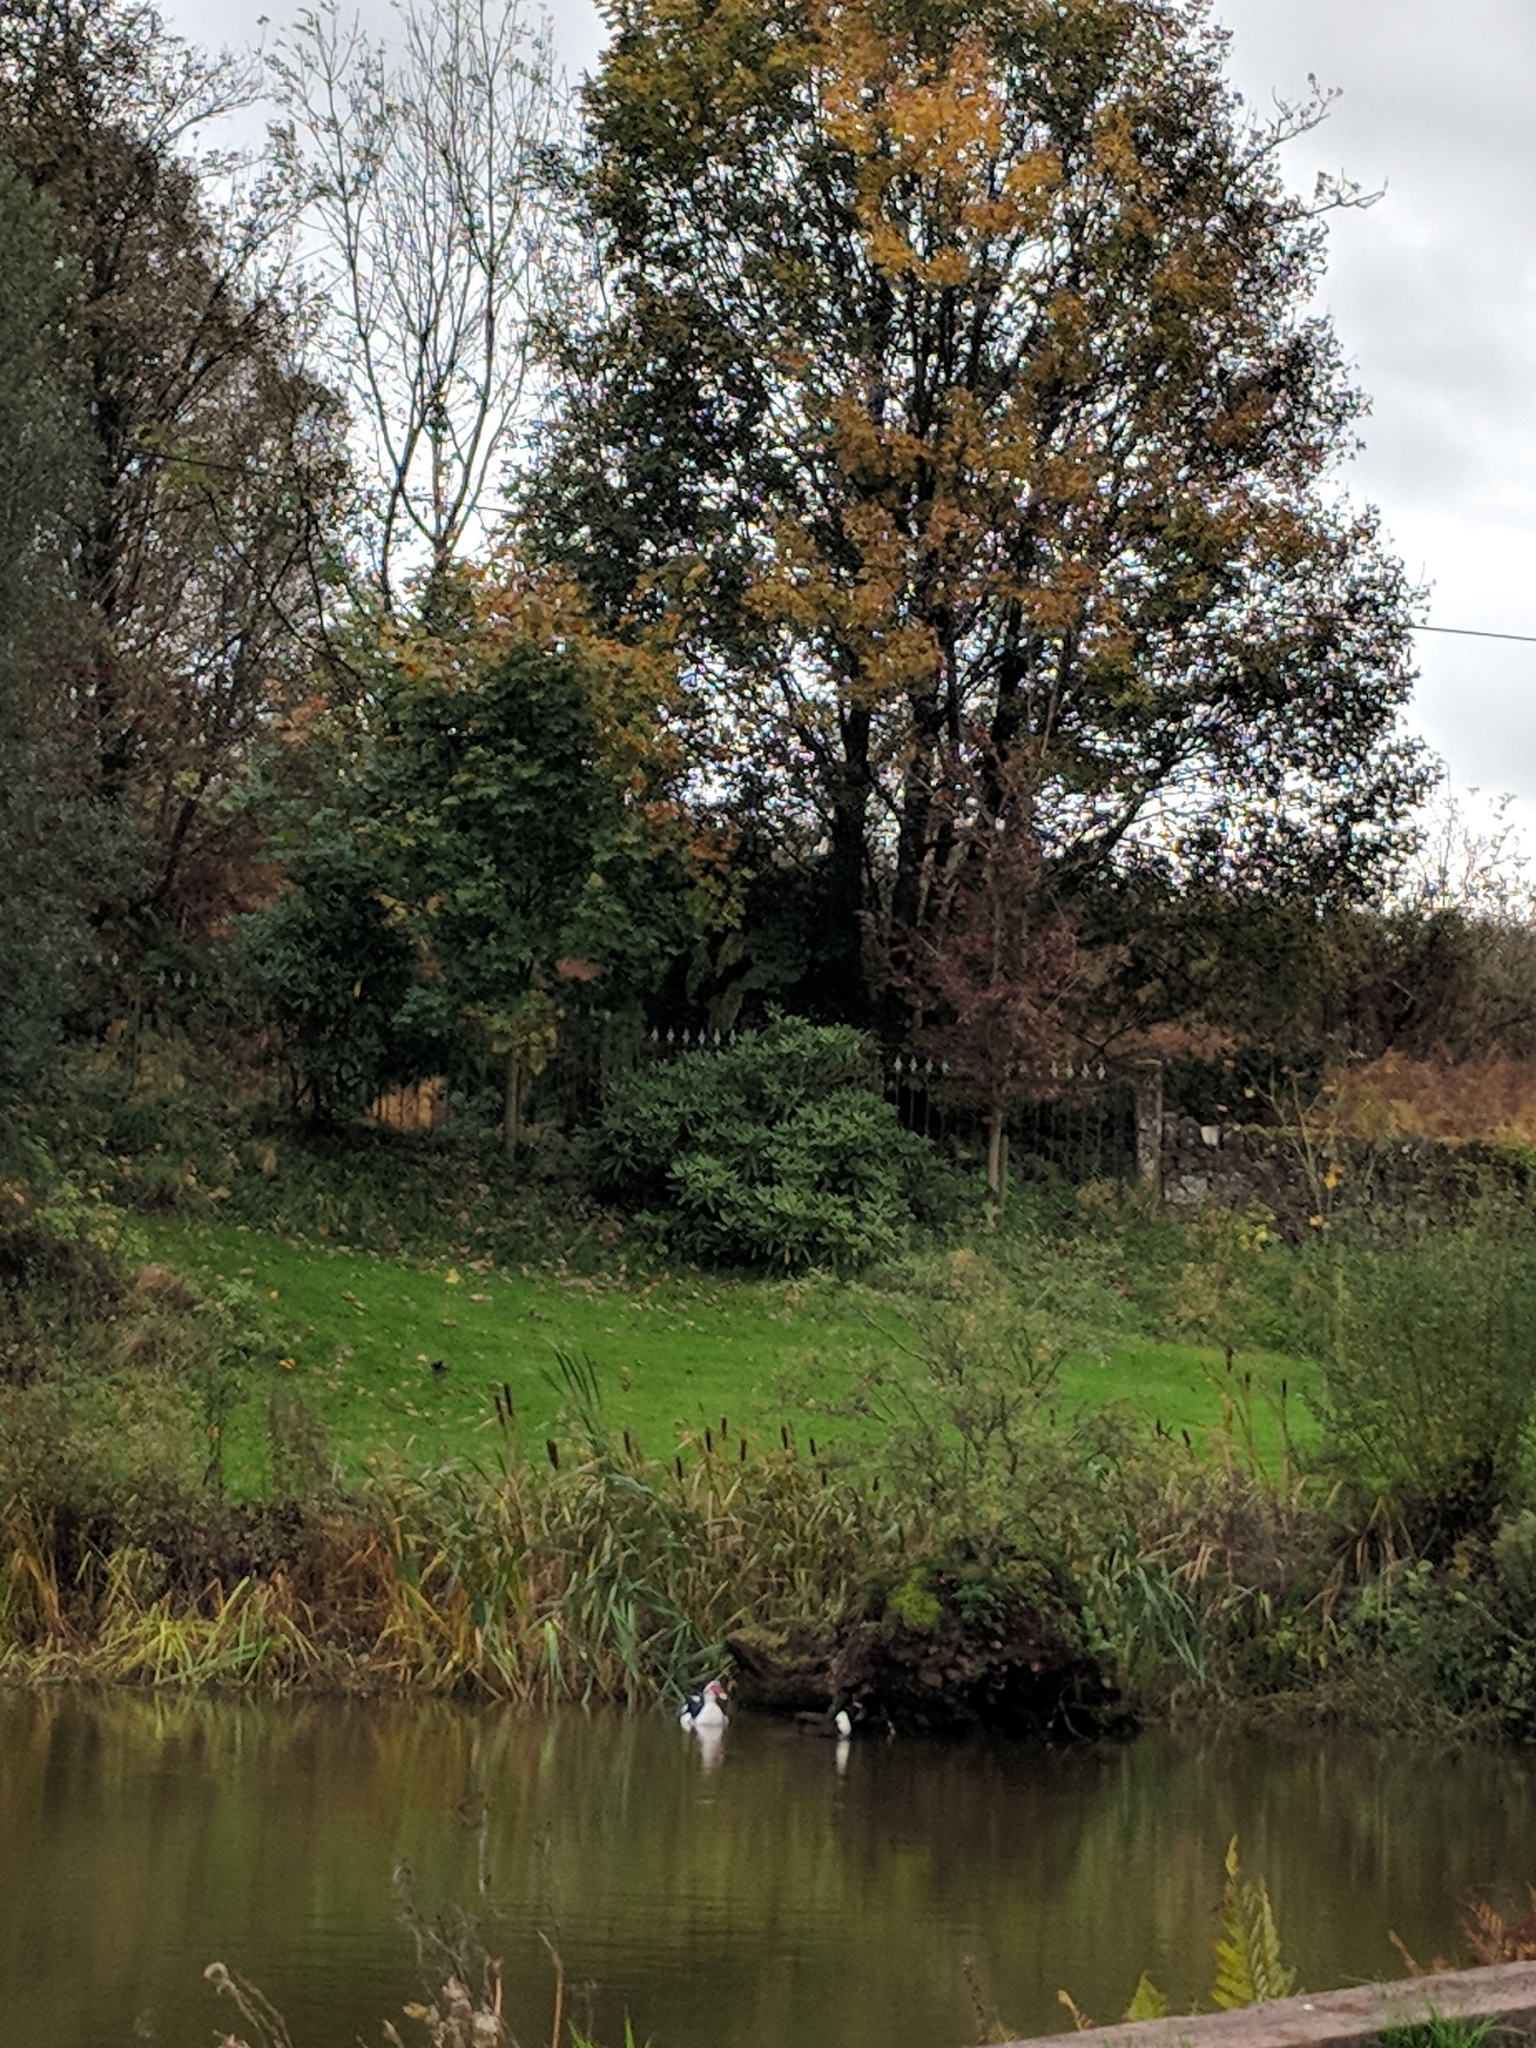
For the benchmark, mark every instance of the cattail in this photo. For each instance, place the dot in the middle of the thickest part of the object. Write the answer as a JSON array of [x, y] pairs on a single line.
[[784, 1434], [552, 1452], [679, 1471], [629, 1448], [743, 1450], [813, 1447], [709, 1442], [725, 1428]]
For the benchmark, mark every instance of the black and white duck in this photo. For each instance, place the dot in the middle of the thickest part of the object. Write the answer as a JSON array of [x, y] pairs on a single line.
[[704, 1711]]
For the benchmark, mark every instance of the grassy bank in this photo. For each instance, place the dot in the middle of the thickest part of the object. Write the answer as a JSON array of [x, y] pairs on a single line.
[[1087, 1441], [401, 1363]]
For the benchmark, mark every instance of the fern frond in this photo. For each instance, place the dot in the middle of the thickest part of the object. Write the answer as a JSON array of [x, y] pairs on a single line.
[[1249, 1970], [1147, 2002], [1487, 1932], [1271, 1979]]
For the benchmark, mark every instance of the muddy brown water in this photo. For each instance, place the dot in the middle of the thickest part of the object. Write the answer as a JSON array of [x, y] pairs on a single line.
[[771, 1895]]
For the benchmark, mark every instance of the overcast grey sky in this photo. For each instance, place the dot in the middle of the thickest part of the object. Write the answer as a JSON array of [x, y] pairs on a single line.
[[1433, 292]]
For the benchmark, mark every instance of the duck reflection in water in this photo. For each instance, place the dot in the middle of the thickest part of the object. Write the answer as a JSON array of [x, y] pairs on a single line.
[[710, 1744]]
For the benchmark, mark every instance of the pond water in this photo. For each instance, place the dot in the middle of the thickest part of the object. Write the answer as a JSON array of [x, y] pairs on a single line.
[[768, 1896]]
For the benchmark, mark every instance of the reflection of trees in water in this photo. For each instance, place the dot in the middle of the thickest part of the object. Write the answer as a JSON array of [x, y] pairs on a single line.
[[1354, 1837], [141, 1837]]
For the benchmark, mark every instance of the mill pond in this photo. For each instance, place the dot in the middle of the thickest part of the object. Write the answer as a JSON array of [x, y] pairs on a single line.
[[765, 1894]]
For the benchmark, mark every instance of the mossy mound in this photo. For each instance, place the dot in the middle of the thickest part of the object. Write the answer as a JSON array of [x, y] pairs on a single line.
[[941, 1654], [946, 1655]]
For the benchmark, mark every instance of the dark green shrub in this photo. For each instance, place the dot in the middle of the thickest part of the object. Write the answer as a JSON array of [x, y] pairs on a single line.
[[1430, 1377], [62, 1251], [337, 978], [774, 1150], [1437, 1649]]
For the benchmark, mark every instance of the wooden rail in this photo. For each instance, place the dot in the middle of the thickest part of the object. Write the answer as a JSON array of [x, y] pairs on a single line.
[[1504, 1995]]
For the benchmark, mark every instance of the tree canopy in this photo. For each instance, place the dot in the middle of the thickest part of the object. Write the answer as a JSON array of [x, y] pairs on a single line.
[[508, 821], [896, 570], [55, 852], [961, 402], [212, 454], [422, 168]]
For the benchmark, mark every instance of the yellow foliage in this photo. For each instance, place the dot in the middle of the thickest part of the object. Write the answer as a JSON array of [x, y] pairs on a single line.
[[1248, 1966], [1147, 2002]]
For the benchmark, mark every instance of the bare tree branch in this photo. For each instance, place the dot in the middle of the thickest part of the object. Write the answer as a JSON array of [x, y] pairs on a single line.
[[426, 178]]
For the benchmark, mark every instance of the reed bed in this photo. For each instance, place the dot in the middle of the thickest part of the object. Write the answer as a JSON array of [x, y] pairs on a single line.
[[595, 1575]]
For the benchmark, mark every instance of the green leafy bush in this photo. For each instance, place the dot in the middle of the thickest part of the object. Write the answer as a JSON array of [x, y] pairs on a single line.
[[963, 1389], [116, 1382], [336, 977], [774, 1150], [1430, 1377]]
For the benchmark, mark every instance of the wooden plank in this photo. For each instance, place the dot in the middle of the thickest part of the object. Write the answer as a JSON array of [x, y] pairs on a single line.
[[1504, 1995]]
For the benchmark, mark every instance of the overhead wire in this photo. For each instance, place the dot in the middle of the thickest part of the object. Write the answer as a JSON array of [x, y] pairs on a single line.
[[1477, 633]]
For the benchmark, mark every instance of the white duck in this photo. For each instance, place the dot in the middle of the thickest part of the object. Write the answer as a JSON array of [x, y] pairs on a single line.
[[705, 1711]]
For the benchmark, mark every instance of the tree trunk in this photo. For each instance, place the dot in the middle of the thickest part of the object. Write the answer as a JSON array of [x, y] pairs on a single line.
[[997, 1155], [1149, 1126], [841, 982], [913, 837], [511, 1129]]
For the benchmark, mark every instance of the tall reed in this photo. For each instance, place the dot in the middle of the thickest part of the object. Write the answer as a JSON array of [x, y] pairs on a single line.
[[599, 1576]]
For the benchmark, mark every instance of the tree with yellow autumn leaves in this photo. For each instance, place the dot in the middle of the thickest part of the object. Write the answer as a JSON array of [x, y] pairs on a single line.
[[958, 403]]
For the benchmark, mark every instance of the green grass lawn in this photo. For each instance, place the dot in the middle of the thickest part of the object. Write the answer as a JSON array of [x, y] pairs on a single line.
[[358, 1337]]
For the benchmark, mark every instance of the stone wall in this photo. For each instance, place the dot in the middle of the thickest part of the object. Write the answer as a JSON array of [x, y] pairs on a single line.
[[1230, 1165], [1234, 1165]]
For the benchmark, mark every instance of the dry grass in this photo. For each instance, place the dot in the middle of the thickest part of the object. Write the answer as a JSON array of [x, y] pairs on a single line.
[[602, 1577], [1491, 1101]]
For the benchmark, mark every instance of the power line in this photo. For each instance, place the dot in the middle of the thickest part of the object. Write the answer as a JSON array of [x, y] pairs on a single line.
[[1477, 633]]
